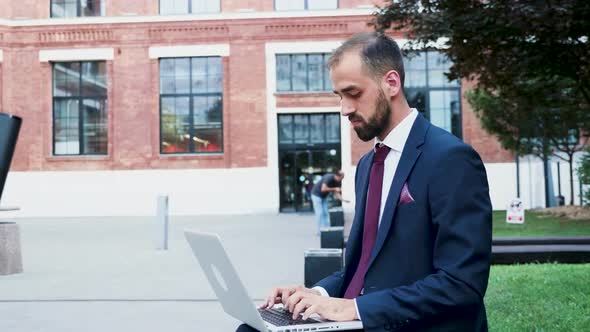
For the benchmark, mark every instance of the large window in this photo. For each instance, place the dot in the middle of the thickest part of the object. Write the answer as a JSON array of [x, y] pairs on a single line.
[[79, 108], [309, 129], [305, 4], [191, 105], [175, 7], [303, 73], [77, 8], [428, 90]]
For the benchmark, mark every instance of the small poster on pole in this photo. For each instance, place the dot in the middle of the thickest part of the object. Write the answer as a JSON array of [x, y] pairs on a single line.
[[515, 212]]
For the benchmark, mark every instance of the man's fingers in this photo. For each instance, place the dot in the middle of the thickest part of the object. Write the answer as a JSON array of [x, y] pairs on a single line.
[[300, 307], [272, 299], [313, 309], [286, 294], [293, 300]]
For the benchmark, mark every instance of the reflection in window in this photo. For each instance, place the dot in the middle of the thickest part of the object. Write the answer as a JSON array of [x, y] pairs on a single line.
[[305, 4], [303, 72], [191, 105], [77, 8], [177, 7], [429, 91], [301, 128], [79, 108], [442, 105], [309, 129]]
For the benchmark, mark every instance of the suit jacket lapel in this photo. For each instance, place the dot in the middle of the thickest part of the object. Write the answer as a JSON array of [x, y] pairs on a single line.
[[407, 160]]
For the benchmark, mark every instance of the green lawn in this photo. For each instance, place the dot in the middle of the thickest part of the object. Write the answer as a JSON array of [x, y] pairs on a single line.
[[537, 224], [539, 297]]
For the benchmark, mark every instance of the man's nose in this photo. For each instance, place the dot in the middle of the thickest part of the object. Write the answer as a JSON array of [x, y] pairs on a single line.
[[347, 108]]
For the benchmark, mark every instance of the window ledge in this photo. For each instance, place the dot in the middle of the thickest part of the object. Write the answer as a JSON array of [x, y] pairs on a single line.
[[192, 156], [305, 94], [79, 158]]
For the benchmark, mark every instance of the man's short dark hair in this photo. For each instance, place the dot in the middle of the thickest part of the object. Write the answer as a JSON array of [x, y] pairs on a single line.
[[379, 53]]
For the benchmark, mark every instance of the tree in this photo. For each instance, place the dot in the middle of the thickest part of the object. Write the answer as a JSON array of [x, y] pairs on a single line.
[[526, 124], [531, 60], [496, 41]]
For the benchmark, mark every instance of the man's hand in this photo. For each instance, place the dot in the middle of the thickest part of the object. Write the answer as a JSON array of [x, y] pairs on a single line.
[[326, 307], [282, 294]]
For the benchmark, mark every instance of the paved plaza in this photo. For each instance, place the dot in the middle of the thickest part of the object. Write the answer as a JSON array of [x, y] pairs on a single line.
[[104, 274]]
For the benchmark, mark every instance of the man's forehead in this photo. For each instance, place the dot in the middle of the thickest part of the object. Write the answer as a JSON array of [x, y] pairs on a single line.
[[349, 74], [349, 61]]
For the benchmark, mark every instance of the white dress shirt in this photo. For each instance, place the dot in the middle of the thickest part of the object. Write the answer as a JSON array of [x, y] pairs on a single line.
[[395, 140]]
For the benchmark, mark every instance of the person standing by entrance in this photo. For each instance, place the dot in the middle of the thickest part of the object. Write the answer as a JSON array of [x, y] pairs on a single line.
[[330, 183]]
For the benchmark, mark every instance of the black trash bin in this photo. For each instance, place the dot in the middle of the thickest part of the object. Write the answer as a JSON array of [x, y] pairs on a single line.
[[332, 238], [9, 128], [320, 263], [336, 217], [560, 200]]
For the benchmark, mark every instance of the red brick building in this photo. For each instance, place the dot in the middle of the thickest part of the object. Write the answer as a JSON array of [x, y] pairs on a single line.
[[224, 105]]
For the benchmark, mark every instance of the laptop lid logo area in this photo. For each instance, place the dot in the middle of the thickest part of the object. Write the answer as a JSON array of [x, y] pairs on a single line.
[[223, 278], [219, 279]]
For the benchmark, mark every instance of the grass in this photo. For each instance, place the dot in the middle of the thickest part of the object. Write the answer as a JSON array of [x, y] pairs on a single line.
[[539, 297], [537, 224]]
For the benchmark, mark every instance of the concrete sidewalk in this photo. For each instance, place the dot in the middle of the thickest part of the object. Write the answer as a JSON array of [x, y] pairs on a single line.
[[104, 274]]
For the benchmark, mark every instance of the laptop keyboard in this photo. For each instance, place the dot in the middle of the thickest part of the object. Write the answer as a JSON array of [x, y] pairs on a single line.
[[282, 317]]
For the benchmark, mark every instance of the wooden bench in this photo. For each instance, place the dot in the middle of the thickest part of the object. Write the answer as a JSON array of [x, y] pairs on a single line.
[[544, 249]]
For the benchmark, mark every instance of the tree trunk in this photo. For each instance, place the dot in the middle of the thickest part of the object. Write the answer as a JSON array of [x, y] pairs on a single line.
[[517, 177], [571, 162], [546, 176]]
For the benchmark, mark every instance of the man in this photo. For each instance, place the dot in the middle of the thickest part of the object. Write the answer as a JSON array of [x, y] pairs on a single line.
[[419, 250], [329, 183]]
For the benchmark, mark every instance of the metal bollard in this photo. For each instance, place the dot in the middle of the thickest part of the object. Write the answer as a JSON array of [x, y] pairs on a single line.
[[336, 216], [162, 219], [332, 237], [320, 263]]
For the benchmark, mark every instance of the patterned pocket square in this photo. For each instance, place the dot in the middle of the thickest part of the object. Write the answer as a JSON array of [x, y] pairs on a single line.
[[405, 197]]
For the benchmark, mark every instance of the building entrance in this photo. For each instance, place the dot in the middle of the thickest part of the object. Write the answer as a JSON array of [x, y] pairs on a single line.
[[309, 147]]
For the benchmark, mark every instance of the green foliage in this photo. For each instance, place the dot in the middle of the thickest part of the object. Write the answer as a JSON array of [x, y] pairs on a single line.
[[500, 42], [539, 297], [531, 60], [584, 173]]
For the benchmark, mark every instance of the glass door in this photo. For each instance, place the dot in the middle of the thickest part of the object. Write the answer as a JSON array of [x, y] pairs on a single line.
[[309, 147]]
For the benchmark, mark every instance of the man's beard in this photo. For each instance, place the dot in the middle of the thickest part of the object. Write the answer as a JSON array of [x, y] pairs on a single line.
[[376, 123]]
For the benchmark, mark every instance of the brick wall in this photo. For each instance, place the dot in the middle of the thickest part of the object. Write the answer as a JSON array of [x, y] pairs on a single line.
[[36, 9], [133, 90], [5, 9], [484, 143], [30, 9], [131, 7]]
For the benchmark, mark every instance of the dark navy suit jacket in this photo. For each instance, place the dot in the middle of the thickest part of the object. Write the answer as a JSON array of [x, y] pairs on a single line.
[[431, 261]]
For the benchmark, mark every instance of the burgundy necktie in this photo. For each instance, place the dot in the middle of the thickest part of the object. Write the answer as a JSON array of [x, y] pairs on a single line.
[[371, 222]]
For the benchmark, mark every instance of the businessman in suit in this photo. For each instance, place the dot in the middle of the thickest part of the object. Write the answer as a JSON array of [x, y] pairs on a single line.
[[419, 251]]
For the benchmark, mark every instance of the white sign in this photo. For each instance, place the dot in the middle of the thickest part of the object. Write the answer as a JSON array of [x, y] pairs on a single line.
[[515, 212]]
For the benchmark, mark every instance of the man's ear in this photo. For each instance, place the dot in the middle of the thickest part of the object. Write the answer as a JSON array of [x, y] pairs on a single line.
[[392, 84]]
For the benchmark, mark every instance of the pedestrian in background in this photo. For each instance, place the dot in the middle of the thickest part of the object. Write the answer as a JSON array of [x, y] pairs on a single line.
[[330, 183]]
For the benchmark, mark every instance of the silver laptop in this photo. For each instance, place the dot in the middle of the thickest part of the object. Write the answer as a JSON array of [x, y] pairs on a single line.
[[234, 298]]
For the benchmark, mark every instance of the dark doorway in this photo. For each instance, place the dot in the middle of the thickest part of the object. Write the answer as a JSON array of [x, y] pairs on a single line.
[[309, 147]]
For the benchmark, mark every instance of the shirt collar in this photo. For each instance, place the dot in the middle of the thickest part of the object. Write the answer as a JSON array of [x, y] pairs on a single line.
[[396, 139]]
